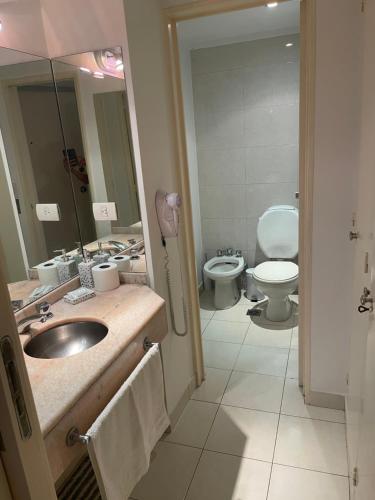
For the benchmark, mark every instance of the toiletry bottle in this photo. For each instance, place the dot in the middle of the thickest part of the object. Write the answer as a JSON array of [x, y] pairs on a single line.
[[78, 257], [101, 256], [66, 266], [85, 270]]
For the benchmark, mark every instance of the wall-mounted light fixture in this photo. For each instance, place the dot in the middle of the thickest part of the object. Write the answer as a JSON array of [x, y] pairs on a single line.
[[271, 5]]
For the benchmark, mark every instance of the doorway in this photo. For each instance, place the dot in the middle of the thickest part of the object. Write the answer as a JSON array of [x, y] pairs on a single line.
[[219, 430]]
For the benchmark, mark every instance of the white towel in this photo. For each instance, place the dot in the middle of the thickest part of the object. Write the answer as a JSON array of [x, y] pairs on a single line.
[[125, 433]]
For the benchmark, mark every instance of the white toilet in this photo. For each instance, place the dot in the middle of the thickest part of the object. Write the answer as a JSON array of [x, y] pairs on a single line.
[[277, 235], [225, 271]]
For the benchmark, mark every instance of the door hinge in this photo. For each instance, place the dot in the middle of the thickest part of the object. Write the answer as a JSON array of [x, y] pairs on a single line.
[[355, 476], [363, 5]]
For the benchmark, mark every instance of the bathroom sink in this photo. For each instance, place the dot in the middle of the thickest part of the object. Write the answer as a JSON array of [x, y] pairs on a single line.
[[65, 340]]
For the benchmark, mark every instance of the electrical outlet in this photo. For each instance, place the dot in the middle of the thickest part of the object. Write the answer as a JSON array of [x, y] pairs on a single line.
[[48, 212], [104, 211]]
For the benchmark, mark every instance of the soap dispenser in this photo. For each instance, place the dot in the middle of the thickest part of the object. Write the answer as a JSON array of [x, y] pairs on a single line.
[[85, 270], [66, 266], [101, 256], [78, 256]]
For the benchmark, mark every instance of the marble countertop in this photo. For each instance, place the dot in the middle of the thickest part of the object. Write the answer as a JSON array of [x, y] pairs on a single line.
[[57, 384]]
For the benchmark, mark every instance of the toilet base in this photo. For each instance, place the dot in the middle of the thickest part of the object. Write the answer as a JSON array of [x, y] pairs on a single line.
[[278, 309], [227, 293]]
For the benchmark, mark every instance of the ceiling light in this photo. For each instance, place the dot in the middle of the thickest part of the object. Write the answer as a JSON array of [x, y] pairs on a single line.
[[271, 5], [1, 26], [98, 74], [85, 70], [289, 44]]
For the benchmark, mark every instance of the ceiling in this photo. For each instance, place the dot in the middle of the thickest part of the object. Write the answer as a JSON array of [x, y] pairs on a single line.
[[239, 26]]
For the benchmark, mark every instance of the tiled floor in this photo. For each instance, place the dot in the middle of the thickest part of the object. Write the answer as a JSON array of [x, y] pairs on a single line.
[[246, 434]]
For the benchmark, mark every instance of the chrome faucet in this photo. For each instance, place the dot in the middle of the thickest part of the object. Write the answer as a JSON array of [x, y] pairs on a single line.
[[43, 313], [117, 244]]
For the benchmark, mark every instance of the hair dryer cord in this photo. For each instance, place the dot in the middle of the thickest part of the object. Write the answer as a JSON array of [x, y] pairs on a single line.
[[168, 275]]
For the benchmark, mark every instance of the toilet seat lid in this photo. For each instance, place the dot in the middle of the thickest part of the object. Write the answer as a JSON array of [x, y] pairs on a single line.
[[276, 271], [277, 232]]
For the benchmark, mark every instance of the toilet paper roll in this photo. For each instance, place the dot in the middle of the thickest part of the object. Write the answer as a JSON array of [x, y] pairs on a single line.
[[105, 276], [123, 262], [47, 273]]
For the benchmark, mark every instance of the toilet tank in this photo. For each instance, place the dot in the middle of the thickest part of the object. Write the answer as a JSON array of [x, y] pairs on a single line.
[[277, 232]]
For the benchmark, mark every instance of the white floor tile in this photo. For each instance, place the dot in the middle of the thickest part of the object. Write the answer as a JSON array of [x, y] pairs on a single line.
[[259, 336], [288, 483], [213, 387], [224, 477], [246, 433], [226, 331], [235, 313], [220, 354], [206, 313], [264, 360], [204, 323], [194, 424], [292, 370], [253, 391], [294, 343], [311, 444], [170, 473], [294, 404]]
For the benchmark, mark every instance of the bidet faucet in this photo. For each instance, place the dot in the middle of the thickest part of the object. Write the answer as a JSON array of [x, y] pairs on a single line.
[[43, 313]]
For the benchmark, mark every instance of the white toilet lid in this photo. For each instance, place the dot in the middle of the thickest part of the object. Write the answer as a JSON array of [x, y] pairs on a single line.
[[276, 271]]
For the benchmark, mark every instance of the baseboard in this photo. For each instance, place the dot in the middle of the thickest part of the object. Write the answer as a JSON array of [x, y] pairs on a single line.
[[179, 408], [326, 400]]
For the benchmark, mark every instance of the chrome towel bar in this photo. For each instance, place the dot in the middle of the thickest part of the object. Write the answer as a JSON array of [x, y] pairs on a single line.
[[74, 436]]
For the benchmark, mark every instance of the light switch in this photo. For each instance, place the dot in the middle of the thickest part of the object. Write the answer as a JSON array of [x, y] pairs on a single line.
[[48, 212], [104, 211]]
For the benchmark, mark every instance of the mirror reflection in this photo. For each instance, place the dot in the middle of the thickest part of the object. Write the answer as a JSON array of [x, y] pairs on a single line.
[[93, 105], [38, 219], [67, 179]]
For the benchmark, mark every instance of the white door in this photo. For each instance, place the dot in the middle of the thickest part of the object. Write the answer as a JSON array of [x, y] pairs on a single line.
[[22, 451], [361, 398]]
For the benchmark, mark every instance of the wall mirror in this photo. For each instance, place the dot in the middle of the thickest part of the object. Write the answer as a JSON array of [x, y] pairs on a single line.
[[32, 176], [65, 145], [91, 92]]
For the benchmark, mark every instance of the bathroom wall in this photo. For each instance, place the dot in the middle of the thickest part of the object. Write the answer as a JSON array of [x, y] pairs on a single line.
[[22, 27], [151, 115], [246, 115], [191, 145]]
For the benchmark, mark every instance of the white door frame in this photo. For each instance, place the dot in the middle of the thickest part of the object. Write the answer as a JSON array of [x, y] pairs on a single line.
[[201, 8], [24, 460]]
